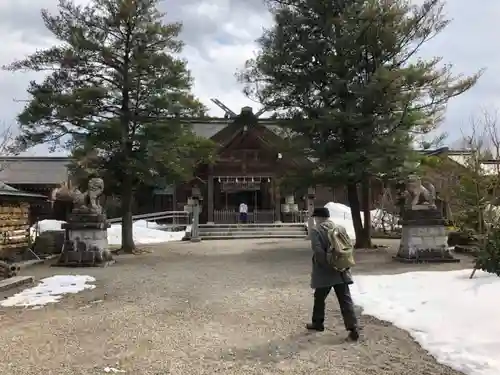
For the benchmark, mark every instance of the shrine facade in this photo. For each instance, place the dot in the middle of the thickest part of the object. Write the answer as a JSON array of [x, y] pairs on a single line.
[[248, 170]]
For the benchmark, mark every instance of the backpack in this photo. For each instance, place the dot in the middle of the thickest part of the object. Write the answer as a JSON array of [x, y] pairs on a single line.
[[340, 254]]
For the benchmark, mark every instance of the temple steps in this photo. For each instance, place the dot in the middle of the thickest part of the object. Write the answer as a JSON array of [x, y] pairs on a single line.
[[246, 231]]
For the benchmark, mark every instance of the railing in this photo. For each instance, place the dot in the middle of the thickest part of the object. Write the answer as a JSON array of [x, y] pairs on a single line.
[[171, 217], [233, 217], [220, 217], [263, 216], [299, 216], [226, 217]]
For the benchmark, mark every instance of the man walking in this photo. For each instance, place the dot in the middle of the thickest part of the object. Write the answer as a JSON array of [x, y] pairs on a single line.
[[324, 277]]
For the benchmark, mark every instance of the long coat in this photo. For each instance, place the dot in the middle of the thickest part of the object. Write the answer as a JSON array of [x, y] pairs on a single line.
[[323, 275]]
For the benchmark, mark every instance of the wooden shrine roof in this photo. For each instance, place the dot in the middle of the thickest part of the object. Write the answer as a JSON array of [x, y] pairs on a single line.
[[9, 191], [218, 129]]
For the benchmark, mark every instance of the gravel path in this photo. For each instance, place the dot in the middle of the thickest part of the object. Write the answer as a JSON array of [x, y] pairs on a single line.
[[218, 307]]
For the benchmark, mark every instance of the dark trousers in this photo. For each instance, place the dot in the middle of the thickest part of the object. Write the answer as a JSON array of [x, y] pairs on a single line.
[[243, 217], [345, 302]]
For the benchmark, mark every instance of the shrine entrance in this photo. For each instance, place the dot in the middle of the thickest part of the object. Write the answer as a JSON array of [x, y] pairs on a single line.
[[247, 171], [254, 191], [253, 199]]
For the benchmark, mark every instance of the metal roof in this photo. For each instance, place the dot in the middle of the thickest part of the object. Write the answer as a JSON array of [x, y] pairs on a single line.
[[34, 170]]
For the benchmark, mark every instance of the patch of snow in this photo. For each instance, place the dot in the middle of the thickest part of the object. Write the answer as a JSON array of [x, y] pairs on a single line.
[[163, 227], [143, 235], [451, 316], [50, 290], [144, 232], [43, 226], [150, 225], [383, 220]]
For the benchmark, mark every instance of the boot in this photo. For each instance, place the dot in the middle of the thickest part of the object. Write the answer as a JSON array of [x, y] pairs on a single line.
[[353, 335], [315, 327]]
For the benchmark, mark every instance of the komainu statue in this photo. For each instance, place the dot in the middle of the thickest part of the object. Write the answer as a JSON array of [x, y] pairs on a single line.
[[89, 201], [86, 241], [418, 194], [423, 233]]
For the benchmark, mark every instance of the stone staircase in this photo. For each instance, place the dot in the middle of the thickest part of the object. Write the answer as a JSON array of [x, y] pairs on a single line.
[[243, 231]]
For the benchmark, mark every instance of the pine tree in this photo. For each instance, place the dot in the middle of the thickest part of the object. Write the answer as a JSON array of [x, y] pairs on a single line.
[[116, 90], [347, 72]]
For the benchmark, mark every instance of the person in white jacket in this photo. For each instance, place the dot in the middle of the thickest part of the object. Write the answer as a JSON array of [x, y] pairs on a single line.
[[243, 212]]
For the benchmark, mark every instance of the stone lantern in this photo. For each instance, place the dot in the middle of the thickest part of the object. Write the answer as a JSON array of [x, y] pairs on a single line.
[[311, 194]]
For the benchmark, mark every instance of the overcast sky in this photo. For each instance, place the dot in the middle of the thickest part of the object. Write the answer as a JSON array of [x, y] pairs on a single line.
[[219, 37]]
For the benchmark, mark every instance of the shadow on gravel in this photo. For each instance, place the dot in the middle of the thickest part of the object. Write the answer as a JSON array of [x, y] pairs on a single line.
[[271, 243], [279, 350], [277, 255]]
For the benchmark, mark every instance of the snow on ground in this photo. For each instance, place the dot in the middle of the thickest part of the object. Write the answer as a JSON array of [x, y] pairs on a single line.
[[50, 290], [144, 232], [454, 318], [45, 225], [340, 214]]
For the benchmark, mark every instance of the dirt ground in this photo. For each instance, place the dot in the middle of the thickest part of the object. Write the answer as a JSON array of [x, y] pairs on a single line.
[[216, 307]]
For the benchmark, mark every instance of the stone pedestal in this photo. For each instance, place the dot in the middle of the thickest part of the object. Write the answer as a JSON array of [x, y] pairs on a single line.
[[86, 242], [423, 237]]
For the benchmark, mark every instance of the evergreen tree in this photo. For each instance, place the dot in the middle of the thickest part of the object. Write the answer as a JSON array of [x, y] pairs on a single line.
[[116, 91], [346, 75]]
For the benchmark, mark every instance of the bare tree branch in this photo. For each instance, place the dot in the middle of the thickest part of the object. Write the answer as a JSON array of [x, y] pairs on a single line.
[[8, 146]]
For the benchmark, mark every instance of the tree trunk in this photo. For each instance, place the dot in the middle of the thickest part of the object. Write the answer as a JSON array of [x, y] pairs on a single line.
[[367, 222], [352, 197], [128, 245]]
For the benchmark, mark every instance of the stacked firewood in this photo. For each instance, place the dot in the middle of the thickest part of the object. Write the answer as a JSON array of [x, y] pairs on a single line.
[[8, 270], [14, 229]]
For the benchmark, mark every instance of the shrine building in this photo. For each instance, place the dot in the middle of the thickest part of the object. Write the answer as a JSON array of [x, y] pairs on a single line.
[[248, 168]]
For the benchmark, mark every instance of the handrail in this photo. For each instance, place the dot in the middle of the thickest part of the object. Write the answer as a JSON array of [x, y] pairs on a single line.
[[153, 216]]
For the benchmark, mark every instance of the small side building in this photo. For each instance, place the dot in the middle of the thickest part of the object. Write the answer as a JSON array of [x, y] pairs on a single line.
[[35, 175], [15, 220]]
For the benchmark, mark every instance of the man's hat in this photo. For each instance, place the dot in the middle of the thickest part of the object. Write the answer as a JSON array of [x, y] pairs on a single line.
[[321, 212]]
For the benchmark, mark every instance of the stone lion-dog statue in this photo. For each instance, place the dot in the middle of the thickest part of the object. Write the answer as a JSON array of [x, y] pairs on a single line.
[[89, 200], [418, 194]]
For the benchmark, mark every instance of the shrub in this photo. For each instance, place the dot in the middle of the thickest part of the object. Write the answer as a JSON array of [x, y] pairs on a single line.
[[488, 258]]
